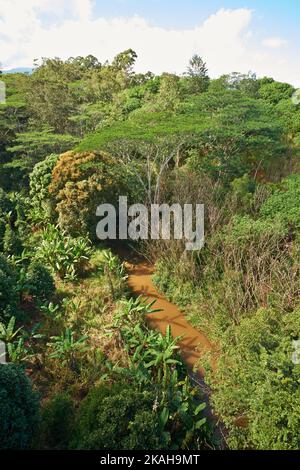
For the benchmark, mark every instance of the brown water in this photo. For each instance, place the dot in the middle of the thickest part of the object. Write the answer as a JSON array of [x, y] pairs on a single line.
[[193, 342]]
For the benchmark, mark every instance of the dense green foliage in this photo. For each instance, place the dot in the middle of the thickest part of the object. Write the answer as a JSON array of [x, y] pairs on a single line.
[[79, 183], [57, 422], [39, 281], [8, 292], [243, 290], [78, 133], [100, 427], [283, 205], [19, 408], [65, 256], [263, 413], [40, 179]]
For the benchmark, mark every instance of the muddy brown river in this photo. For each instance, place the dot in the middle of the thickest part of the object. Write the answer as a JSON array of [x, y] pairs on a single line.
[[193, 343]]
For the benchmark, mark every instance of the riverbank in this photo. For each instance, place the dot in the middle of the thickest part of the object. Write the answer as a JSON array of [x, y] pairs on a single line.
[[193, 343]]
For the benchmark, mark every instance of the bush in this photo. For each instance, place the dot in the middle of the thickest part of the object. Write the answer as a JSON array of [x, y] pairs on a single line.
[[66, 256], [19, 408], [245, 230], [6, 205], [2, 232], [242, 190], [284, 204], [39, 281], [80, 182], [256, 385], [165, 279], [6, 209], [274, 92], [117, 418], [12, 244], [56, 422], [40, 179], [8, 288]]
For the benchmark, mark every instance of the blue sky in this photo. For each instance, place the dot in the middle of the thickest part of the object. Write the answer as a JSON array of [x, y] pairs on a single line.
[[231, 35], [272, 16], [282, 15]]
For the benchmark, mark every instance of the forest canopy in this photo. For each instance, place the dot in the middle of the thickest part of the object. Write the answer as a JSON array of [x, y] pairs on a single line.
[[86, 370]]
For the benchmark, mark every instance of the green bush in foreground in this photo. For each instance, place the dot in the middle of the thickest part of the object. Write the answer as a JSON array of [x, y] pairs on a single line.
[[19, 408], [39, 281], [56, 422], [256, 386], [12, 244], [284, 204], [117, 418], [8, 294], [67, 257], [40, 179]]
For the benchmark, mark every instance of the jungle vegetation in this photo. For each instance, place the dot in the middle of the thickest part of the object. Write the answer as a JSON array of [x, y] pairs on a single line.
[[85, 370]]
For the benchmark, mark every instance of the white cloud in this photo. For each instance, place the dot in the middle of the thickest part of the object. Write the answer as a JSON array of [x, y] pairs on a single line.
[[226, 39], [83, 8], [274, 43]]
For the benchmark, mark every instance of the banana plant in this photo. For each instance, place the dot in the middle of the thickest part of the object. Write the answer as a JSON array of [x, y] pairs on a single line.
[[137, 342], [185, 408], [114, 265], [63, 254], [8, 333], [134, 310], [163, 355], [18, 352], [65, 347], [112, 268], [50, 310], [17, 340]]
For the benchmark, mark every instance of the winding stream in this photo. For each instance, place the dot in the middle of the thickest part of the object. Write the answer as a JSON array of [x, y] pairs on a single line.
[[193, 343]]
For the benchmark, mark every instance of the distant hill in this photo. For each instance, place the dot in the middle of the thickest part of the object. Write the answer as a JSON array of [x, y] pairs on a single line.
[[18, 70]]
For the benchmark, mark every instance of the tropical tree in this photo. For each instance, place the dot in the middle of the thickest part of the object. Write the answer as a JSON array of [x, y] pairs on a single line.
[[198, 75]]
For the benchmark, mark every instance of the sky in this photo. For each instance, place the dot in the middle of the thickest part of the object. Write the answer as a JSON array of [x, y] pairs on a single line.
[[231, 35]]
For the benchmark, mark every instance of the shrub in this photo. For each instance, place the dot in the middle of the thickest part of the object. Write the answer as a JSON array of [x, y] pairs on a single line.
[[19, 408], [12, 244], [244, 230], [56, 422], [274, 92], [113, 418], [284, 204], [169, 281], [80, 182], [256, 385], [40, 179], [39, 281], [66, 256], [2, 232], [6, 205], [242, 194], [8, 288]]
